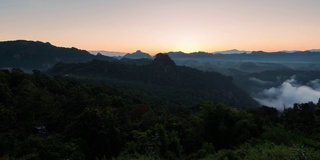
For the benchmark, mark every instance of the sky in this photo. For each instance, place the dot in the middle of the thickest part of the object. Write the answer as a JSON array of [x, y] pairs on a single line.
[[164, 25]]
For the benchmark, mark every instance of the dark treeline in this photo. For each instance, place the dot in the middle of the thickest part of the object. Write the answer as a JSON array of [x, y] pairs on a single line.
[[58, 117]]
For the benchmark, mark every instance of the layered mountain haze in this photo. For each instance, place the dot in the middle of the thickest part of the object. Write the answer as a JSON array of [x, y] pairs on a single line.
[[176, 105], [108, 53], [181, 85], [258, 73], [160, 80], [232, 51]]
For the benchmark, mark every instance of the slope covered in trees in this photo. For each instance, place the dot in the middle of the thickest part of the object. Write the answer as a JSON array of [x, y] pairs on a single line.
[[65, 118], [161, 78], [31, 55]]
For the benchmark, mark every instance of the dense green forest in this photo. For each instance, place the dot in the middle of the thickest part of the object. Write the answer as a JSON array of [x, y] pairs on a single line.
[[60, 117], [98, 107]]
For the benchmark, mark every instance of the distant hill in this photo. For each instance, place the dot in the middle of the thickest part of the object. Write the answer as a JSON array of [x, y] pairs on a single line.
[[255, 57], [162, 79], [137, 55], [256, 61], [242, 54], [108, 53], [314, 50], [232, 51], [31, 55]]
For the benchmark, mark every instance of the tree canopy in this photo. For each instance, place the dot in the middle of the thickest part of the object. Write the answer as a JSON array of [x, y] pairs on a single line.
[[44, 117]]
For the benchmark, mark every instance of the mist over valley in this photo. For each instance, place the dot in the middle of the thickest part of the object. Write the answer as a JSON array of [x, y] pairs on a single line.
[[173, 104], [277, 79], [159, 80]]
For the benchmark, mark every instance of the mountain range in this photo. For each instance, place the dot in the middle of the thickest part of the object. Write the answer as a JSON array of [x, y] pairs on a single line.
[[40, 55], [107, 53], [173, 105], [160, 78], [157, 77], [139, 54]]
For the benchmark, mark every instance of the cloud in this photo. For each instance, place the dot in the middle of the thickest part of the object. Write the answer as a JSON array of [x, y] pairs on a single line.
[[315, 84], [288, 93], [259, 81]]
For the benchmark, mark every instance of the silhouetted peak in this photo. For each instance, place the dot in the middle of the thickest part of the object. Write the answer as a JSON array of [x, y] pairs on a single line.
[[138, 52], [137, 55], [163, 60]]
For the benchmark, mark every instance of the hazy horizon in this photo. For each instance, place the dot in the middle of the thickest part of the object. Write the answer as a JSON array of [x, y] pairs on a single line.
[[119, 53], [229, 51]]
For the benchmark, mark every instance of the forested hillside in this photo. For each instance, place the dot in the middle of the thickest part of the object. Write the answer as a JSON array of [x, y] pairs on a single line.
[[30, 55], [99, 107], [66, 118], [161, 78]]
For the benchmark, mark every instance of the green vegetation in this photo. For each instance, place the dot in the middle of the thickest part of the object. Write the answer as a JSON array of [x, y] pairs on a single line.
[[59, 117]]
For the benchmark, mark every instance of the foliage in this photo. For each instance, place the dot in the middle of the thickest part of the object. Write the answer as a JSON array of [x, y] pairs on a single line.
[[266, 151], [58, 117], [156, 141]]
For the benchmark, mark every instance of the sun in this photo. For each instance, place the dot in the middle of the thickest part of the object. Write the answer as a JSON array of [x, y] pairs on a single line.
[[187, 44]]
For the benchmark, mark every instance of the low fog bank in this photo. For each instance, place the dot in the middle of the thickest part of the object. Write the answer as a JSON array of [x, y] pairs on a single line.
[[288, 93], [259, 81]]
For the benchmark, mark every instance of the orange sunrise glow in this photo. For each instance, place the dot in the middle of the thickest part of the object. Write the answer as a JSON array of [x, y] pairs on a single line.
[[168, 25]]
